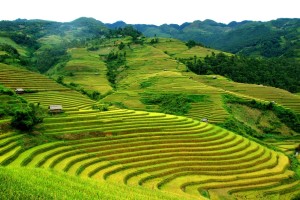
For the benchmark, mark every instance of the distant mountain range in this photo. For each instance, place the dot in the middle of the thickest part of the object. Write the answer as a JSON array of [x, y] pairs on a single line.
[[273, 38]]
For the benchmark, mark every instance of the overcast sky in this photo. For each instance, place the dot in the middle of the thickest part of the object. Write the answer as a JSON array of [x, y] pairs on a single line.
[[150, 12]]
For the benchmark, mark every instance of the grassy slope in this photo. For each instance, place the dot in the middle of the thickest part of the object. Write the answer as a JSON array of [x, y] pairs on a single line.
[[86, 69], [155, 67], [22, 51], [29, 183]]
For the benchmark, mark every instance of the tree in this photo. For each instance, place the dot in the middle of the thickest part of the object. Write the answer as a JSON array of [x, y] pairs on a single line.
[[25, 119], [60, 79], [121, 46]]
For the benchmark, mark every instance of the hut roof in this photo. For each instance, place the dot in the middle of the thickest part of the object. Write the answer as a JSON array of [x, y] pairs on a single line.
[[55, 107], [19, 90], [204, 120]]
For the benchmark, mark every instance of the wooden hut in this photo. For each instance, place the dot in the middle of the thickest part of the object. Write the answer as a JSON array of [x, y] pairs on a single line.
[[55, 108], [19, 91]]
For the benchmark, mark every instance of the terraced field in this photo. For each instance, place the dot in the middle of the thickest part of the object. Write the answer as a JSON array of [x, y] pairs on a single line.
[[46, 91], [15, 77], [85, 68], [212, 109], [177, 48], [153, 150], [21, 50], [163, 74], [266, 93], [174, 154]]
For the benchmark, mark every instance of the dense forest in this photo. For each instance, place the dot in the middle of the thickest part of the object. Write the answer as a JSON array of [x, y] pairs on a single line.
[[274, 38], [277, 72]]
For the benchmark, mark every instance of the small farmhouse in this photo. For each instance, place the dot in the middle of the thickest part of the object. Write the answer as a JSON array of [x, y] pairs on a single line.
[[19, 91], [204, 120], [55, 108]]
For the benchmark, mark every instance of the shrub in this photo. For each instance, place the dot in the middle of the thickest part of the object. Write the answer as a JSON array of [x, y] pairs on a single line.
[[25, 119], [6, 91], [60, 80], [286, 116], [95, 95], [169, 103], [296, 197]]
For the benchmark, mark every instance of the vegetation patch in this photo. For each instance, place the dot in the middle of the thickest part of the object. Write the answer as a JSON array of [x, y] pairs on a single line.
[[149, 82], [114, 62], [172, 103], [24, 116], [286, 116], [249, 70]]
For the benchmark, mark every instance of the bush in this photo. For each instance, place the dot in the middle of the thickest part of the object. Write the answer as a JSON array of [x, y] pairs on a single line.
[[25, 119], [296, 197], [286, 116], [177, 104], [60, 80], [6, 91]]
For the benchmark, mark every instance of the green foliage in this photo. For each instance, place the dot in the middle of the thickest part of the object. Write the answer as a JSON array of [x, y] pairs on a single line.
[[10, 102], [177, 104], [25, 119], [119, 105], [274, 38], [147, 83], [121, 46], [47, 57], [154, 40], [249, 70], [126, 31], [286, 116], [12, 55], [10, 50], [238, 127], [7, 91], [192, 43], [198, 98], [24, 39], [60, 80], [172, 103], [101, 107], [95, 95], [204, 193], [114, 61], [93, 48], [296, 197]]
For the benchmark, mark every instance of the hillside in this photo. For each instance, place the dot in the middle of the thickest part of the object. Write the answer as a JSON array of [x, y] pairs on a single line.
[[138, 121], [154, 150]]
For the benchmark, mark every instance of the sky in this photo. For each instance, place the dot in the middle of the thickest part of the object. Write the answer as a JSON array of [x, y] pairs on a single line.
[[155, 12]]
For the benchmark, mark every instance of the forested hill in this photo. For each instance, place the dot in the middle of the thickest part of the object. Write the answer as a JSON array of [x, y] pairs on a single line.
[[274, 38]]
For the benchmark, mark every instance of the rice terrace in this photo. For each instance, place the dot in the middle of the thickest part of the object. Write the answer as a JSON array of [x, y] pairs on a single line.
[[100, 111]]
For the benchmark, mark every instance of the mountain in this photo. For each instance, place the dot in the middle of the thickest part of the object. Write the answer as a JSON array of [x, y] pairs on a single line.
[[269, 39]]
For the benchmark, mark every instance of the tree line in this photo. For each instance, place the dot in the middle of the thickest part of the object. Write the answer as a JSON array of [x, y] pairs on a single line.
[[277, 72]]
